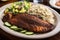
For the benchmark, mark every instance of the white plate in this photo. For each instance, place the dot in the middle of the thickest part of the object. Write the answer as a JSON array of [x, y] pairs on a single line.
[[39, 36], [52, 3]]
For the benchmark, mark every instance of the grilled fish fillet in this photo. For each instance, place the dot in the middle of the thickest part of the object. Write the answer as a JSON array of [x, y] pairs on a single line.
[[30, 22]]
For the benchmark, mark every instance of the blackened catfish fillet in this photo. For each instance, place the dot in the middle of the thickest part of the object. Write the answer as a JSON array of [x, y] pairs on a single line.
[[31, 23]]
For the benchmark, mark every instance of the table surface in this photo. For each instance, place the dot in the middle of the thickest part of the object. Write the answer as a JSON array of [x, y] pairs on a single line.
[[6, 36]]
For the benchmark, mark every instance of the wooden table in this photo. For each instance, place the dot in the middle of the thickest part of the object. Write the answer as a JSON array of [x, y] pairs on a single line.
[[6, 36]]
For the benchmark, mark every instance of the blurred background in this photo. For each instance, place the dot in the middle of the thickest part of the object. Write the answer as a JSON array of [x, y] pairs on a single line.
[[3, 2]]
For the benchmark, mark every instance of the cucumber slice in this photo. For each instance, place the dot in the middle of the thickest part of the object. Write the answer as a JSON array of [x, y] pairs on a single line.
[[29, 33], [23, 31], [16, 28], [7, 24]]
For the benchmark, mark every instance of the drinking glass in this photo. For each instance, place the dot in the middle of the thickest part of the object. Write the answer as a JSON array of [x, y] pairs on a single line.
[[38, 1], [35, 1]]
